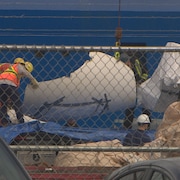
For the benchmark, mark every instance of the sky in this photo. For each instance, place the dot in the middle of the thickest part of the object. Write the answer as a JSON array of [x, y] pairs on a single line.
[[90, 5]]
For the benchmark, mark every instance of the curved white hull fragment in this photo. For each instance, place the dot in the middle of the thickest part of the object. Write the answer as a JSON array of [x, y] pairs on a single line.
[[100, 85]]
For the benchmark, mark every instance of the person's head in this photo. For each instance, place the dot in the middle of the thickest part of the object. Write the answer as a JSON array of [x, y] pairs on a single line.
[[29, 66], [143, 122], [19, 61]]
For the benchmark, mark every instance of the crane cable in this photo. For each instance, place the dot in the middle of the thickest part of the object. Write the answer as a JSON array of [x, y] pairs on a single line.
[[118, 33]]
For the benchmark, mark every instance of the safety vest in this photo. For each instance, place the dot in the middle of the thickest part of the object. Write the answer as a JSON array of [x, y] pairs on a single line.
[[139, 71], [11, 74], [4, 66]]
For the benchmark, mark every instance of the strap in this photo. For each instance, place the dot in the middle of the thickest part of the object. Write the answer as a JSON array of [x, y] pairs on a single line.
[[11, 70], [138, 67]]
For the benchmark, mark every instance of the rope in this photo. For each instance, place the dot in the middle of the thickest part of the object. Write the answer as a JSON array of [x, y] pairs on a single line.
[[118, 33], [119, 13]]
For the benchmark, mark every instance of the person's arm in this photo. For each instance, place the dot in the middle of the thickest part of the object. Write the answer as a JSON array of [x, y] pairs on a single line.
[[25, 73], [126, 141], [146, 139]]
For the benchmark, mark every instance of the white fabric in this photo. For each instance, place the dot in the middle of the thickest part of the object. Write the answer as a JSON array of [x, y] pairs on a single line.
[[159, 91]]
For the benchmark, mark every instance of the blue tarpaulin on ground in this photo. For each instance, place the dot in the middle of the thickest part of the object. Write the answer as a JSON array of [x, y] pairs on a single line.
[[77, 133]]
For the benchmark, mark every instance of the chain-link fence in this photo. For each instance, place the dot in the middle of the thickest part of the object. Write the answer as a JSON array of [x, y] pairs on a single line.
[[88, 99]]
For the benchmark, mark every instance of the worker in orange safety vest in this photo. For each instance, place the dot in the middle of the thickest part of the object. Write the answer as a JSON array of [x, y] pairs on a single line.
[[10, 77]]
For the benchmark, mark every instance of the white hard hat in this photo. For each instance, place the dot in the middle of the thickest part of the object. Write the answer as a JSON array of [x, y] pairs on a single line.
[[143, 119]]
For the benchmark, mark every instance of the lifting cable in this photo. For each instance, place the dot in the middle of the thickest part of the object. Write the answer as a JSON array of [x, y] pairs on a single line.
[[118, 33]]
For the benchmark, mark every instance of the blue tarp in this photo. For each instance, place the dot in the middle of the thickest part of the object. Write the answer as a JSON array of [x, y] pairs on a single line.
[[77, 133]]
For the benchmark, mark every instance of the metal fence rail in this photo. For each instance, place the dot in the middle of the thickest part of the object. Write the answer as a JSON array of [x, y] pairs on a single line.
[[94, 149], [89, 48]]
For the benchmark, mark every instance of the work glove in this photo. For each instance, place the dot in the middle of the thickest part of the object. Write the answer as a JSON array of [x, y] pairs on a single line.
[[34, 84]]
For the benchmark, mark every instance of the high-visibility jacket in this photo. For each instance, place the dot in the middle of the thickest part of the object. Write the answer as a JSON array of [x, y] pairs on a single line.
[[4, 66], [11, 74], [139, 71]]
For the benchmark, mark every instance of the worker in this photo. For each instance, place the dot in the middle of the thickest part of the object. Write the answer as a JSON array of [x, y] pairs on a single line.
[[139, 136], [9, 83], [141, 75]]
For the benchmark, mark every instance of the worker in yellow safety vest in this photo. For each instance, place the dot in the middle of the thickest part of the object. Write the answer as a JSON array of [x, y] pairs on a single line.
[[141, 75], [10, 77]]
